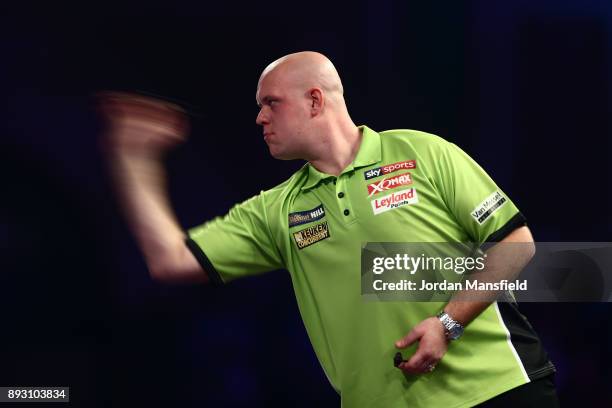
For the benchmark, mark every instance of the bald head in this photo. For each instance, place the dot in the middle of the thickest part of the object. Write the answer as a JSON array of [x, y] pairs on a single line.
[[302, 108], [306, 70]]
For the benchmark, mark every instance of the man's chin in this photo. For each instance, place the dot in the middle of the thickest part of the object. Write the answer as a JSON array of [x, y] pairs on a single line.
[[280, 155]]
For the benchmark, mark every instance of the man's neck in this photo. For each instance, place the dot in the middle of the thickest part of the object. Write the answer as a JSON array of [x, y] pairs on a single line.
[[338, 150]]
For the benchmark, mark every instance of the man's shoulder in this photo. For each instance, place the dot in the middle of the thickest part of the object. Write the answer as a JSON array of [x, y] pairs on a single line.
[[422, 144], [416, 137]]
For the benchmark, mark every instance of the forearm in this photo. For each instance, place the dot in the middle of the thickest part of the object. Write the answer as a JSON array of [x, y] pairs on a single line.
[[140, 182], [504, 261]]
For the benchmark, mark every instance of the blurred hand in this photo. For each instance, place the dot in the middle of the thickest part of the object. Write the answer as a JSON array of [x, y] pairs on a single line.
[[140, 124]]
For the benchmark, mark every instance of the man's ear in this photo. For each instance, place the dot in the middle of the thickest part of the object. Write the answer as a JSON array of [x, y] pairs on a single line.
[[316, 101]]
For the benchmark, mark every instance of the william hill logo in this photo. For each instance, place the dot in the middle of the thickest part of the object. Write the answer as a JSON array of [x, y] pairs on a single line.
[[303, 217]]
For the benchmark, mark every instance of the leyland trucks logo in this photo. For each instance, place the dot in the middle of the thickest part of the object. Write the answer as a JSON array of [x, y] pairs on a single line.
[[490, 204], [389, 183], [303, 217], [390, 168], [394, 200]]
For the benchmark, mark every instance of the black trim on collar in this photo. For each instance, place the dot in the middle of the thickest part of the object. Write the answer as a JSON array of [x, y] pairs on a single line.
[[204, 262]]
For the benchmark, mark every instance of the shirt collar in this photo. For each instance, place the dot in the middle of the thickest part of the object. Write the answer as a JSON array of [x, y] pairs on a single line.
[[368, 154]]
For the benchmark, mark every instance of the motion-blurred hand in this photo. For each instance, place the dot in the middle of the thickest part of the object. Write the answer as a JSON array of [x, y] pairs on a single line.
[[140, 125], [139, 130]]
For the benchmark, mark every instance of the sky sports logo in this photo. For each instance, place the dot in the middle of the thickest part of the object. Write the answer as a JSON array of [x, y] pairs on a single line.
[[389, 183], [390, 168], [394, 200]]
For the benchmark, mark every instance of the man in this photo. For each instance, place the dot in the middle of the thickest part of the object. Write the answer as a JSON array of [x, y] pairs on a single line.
[[313, 225]]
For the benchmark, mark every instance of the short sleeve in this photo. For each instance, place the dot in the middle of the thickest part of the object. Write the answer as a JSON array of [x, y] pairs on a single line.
[[236, 245], [478, 204]]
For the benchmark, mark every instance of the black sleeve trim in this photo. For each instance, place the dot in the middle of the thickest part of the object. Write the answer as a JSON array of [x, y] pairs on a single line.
[[204, 262], [515, 222]]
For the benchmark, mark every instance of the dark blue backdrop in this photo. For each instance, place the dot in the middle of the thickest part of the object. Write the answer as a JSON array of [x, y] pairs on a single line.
[[523, 87]]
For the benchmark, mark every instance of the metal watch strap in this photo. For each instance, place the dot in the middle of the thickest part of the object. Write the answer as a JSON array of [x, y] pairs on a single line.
[[452, 328]]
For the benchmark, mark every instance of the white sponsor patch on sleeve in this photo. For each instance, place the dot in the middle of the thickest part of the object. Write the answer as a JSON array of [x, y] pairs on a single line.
[[488, 206]]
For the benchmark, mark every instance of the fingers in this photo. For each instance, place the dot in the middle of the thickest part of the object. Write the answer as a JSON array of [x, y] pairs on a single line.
[[115, 99], [137, 122], [427, 356], [419, 367], [420, 363], [422, 369], [432, 346], [122, 106], [410, 338]]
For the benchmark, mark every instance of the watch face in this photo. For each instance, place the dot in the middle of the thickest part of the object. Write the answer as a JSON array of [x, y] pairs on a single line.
[[455, 332]]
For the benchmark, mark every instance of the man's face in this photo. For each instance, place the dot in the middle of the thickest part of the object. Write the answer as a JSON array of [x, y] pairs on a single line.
[[283, 115]]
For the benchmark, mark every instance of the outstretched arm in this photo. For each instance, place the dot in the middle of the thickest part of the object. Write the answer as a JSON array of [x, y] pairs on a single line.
[[140, 130]]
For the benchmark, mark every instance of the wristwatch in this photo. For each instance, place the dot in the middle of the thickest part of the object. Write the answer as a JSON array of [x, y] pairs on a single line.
[[452, 328]]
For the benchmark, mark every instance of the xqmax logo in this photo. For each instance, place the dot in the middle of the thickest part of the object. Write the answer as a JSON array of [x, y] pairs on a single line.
[[390, 168], [389, 183]]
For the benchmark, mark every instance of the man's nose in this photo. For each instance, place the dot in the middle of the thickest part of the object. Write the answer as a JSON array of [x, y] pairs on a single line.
[[262, 118]]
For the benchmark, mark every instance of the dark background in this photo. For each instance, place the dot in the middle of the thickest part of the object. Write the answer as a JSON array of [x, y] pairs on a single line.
[[523, 87]]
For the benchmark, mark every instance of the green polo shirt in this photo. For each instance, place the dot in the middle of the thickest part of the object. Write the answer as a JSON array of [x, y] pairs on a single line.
[[403, 186]]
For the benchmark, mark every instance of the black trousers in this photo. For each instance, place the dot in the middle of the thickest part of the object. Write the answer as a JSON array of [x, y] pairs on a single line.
[[538, 393]]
